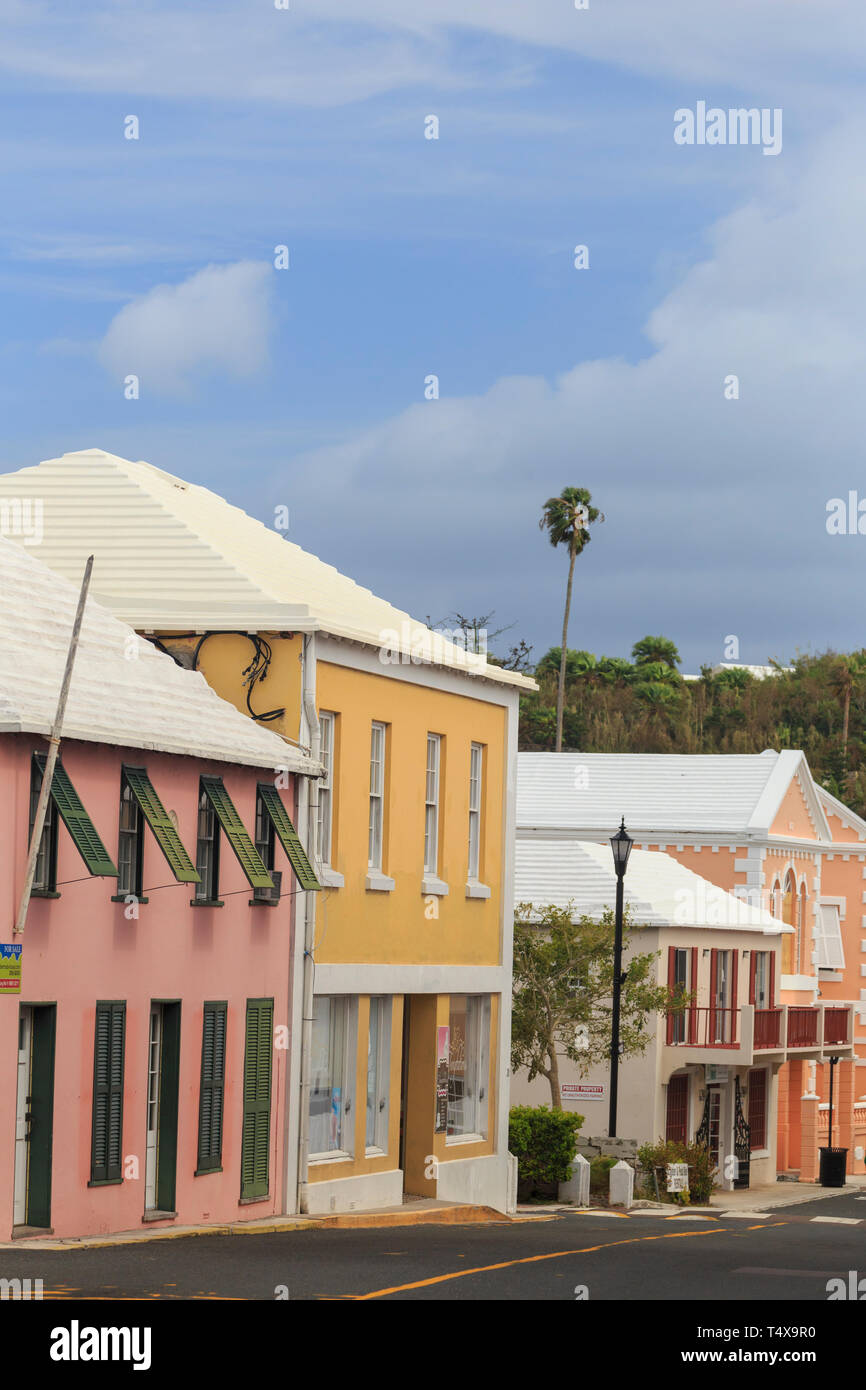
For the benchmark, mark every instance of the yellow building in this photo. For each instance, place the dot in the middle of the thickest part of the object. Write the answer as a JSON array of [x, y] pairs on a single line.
[[398, 1081]]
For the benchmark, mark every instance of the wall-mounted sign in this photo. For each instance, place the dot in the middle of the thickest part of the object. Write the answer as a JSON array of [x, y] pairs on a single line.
[[10, 969], [717, 1074], [580, 1091], [443, 1036]]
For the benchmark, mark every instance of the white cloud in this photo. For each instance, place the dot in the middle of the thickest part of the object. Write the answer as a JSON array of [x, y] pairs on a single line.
[[707, 500], [216, 321]]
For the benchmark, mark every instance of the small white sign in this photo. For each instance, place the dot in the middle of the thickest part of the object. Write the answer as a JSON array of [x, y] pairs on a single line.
[[717, 1073], [678, 1177], [581, 1092]]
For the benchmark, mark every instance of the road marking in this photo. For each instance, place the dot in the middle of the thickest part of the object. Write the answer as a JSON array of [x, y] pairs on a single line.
[[531, 1259], [747, 1215], [839, 1220], [690, 1216]]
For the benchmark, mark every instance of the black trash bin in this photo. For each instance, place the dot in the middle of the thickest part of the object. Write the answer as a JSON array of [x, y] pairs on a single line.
[[832, 1167]]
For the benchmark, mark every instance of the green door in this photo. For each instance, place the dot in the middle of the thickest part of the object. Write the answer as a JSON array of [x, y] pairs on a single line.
[[169, 1084], [40, 1103], [255, 1143]]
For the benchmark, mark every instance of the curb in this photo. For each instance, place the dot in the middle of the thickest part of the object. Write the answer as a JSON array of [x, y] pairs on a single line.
[[428, 1216]]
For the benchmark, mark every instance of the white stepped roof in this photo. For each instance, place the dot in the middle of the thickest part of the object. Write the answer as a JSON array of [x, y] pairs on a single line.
[[171, 555], [660, 795], [123, 692], [660, 891]]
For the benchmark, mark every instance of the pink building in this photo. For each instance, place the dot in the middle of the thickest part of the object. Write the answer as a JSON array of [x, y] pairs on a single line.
[[151, 1022]]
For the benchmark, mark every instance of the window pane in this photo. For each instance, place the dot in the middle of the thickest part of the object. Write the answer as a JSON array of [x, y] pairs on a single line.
[[373, 1055], [468, 1064], [327, 1095]]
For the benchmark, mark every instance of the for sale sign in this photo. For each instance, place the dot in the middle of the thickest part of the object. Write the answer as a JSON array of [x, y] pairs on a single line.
[[10, 969]]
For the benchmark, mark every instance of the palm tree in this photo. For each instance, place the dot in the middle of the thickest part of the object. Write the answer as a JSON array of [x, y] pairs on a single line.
[[655, 649], [566, 519], [843, 676]]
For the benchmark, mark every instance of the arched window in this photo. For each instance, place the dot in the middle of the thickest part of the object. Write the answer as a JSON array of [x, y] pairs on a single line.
[[790, 907]]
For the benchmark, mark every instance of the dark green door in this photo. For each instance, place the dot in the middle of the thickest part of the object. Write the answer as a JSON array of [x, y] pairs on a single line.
[[40, 1107], [255, 1143], [169, 1084]]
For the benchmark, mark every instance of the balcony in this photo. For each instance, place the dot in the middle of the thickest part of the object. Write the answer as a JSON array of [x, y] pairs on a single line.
[[742, 1036]]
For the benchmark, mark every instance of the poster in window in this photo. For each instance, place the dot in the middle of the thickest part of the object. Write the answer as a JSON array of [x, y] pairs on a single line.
[[442, 1048]]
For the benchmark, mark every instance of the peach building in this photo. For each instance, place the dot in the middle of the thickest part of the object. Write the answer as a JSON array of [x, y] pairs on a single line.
[[758, 826], [147, 997]]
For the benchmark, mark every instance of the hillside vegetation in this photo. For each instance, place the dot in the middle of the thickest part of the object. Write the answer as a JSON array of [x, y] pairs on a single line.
[[644, 706]]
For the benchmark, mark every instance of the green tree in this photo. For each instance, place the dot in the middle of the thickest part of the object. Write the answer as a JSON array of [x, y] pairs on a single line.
[[660, 649], [567, 519], [563, 986]]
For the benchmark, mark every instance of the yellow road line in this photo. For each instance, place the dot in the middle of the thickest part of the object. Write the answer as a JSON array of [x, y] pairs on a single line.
[[532, 1259]]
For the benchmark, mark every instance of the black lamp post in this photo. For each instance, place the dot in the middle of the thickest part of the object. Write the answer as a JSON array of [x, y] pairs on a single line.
[[621, 844]]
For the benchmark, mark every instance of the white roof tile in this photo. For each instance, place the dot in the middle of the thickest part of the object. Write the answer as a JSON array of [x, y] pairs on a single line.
[[170, 553], [123, 692], [660, 891], [660, 794]]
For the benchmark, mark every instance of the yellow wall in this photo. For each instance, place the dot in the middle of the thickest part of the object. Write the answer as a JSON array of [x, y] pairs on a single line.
[[355, 924], [223, 660]]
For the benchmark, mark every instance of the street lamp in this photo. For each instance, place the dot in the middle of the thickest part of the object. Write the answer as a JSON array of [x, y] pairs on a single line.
[[620, 844]]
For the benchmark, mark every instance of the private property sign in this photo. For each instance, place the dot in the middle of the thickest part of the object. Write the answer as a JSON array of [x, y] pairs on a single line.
[[578, 1092]]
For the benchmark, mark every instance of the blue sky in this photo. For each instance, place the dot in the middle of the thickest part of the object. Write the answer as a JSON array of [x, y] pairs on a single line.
[[305, 127]]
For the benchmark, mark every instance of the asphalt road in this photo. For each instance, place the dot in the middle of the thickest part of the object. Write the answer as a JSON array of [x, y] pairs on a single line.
[[787, 1256]]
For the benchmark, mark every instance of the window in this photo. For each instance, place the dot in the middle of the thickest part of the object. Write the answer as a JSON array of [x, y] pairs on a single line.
[[761, 994], [378, 1058], [207, 852], [377, 795], [476, 760], [213, 1076], [161, 824], [721, 994], [326, 729], [130, 844], [431, 806], [791, 906], [106, 1153], [758, 1108], [830, 953], [265, 847], [331, 1077], [468, 1065], [45, 879]]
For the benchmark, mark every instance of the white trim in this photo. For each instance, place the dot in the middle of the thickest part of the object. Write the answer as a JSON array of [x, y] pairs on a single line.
[[474, 889], [330, 878], [431, 886], [377, 882], [364, 978], [354, 654]]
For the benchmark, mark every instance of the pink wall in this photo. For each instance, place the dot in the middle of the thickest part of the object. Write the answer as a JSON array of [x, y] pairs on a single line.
[[81, 948]]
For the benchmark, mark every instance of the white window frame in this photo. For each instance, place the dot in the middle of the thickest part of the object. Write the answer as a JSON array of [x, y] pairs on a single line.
[[476, 778], [431, 805], [349, 1004], [477, 1074], [326, 785], [378, 744], [381, 1008], [762, 978]]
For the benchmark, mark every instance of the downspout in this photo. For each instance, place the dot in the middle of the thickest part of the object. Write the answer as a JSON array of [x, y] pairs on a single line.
[[314, 733]]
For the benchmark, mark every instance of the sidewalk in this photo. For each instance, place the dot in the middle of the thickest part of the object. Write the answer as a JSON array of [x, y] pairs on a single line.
[[752, 1199], [421, 1212]]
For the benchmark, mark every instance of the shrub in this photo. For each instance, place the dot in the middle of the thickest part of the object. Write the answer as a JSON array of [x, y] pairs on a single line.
[[599, 1173], [702, 1170], [544, 1142]]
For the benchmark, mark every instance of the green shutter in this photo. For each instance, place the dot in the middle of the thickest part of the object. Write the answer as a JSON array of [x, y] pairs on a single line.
[[161, 824], [255, 1142], [78, 822], [248, 855], [106, 1157], [213, 1073], [289, 839]]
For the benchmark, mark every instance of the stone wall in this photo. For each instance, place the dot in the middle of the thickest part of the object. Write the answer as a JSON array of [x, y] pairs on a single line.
[[625, 1149]]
